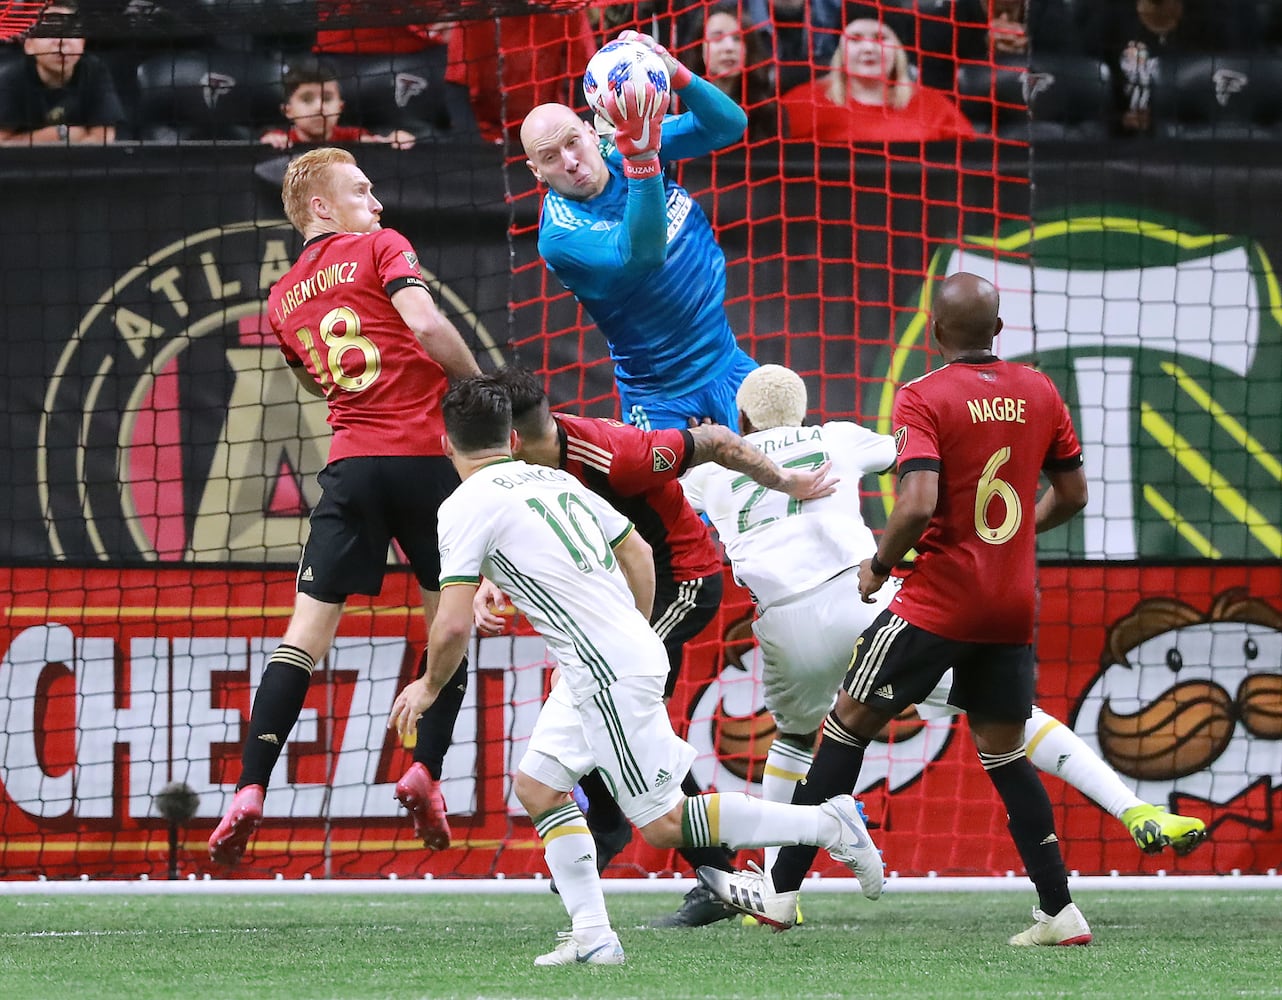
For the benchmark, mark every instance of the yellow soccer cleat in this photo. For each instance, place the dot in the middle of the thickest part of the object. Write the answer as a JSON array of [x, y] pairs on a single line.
[[1153, 829]]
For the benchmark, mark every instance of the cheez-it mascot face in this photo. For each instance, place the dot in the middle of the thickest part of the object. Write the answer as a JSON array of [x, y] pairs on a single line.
[[1190, 702]]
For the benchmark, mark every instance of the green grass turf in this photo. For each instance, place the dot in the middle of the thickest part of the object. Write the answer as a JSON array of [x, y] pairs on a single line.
[[1147, 944]]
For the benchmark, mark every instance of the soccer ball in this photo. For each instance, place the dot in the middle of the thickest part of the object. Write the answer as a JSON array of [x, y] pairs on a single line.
[[617, 62]]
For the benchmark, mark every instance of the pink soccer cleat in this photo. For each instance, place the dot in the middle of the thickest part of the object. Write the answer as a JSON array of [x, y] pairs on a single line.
[[420, 793], [231, 836]]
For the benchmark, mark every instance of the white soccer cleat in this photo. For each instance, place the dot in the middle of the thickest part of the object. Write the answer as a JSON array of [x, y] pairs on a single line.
[[753, 893], [1067, 927], [604, 950], [855, 848]]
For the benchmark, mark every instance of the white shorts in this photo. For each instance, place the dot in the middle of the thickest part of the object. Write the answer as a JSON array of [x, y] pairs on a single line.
[[625, 731], [806, 645]]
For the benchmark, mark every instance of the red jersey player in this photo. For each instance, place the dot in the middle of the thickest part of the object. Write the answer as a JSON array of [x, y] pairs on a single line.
[[637, 471], [358, 326], [973, 440]]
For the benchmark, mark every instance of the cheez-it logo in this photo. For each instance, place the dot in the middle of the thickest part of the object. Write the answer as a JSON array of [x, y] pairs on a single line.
[[664, 459], [901, 439]]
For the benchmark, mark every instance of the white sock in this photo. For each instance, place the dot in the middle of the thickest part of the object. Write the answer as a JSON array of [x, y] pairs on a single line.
[[741, 821], [785, 766], [570, 854], [1057, 750]]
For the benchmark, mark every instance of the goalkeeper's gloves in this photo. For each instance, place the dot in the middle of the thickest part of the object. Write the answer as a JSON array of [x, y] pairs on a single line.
[[678, 73], [637, 112]]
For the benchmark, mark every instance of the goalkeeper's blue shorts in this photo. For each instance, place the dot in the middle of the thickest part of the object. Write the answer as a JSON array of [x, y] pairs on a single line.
[[715, 400]]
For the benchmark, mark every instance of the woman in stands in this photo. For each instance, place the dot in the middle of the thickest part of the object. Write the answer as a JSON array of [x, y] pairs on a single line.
[[870, 95], [733, 55]]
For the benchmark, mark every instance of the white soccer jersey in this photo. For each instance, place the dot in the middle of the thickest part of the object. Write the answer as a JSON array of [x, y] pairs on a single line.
[[779, 546], [547, 541]]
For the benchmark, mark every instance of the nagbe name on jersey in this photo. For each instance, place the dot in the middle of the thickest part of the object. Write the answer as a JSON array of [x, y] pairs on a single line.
[[1001, 408], [342, 273]]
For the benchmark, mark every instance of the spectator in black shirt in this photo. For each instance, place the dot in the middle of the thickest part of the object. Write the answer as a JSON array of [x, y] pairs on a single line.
[[58, 94], [1135, 39]]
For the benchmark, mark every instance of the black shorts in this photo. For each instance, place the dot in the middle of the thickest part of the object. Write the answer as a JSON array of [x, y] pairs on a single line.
[[896, 664], [364, 504], [682, 611]]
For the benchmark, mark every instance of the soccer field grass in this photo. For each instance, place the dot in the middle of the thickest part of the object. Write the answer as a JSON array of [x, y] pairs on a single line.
[[1147, 944]]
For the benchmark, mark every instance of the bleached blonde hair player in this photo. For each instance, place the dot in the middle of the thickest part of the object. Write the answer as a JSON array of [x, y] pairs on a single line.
[[800, 562]]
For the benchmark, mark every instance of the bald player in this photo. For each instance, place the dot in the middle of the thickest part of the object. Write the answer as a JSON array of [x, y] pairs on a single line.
[[973, 440], [637, 251]]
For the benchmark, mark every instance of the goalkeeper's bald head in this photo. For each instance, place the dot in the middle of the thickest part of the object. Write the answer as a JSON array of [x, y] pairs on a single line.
[[772, 396]]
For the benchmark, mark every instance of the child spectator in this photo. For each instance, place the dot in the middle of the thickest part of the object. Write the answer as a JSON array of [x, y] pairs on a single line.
[[313, 104], [58, 94], [869, 95]]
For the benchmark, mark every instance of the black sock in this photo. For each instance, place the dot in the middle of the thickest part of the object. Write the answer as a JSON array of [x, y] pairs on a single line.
[[834, 771], [1032, 826], [436, 725], [277, 703], [603, 812]]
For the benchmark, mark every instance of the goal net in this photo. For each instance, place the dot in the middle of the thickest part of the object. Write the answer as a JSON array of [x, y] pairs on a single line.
[[161, 462]]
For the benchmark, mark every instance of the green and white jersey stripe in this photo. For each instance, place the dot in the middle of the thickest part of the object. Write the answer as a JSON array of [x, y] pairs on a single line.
[[548, 542]]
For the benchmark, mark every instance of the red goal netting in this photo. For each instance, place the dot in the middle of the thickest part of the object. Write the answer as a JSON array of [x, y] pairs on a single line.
[[161, 464]]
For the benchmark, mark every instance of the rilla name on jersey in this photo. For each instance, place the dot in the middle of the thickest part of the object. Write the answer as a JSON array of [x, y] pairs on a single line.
[[342, 273], [1001, 408], [793, 437]]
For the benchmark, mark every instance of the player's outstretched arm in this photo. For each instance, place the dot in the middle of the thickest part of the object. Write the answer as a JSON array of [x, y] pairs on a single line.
[[638, 135], [636, 559], [713, 120], [443, 343], [718, 443], [915, 500]]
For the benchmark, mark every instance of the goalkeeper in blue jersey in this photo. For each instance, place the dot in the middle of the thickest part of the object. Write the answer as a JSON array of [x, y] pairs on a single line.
[[637, 251]]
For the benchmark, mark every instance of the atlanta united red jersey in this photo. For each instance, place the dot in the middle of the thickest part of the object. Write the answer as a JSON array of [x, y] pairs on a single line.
[[637, 471], [333, 314], [989, 428]]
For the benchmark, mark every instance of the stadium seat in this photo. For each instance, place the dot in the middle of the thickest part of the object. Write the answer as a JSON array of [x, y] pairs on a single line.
[[992, 97], [208, 94], [404, 90], [1058, 96], [1223, 96], [1069, 96]]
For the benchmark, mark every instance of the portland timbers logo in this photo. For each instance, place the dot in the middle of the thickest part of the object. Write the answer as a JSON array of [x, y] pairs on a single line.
[[1165, 340]]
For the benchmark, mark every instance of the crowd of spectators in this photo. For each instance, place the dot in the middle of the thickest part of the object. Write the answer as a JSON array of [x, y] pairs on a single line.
[[823, 71]]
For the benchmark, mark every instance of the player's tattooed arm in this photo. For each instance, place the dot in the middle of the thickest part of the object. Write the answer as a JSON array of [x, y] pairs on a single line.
[[719, 444]]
